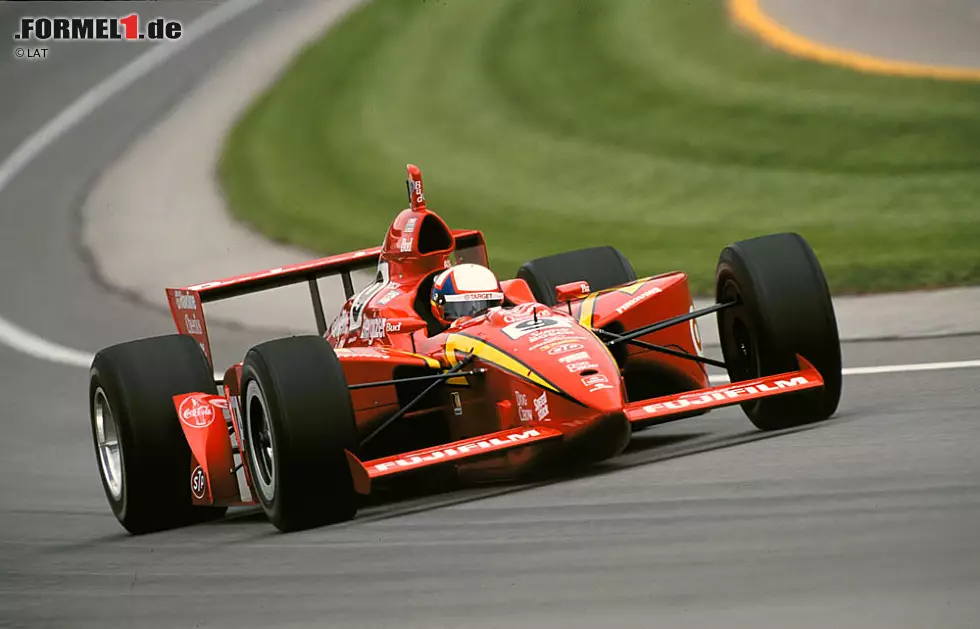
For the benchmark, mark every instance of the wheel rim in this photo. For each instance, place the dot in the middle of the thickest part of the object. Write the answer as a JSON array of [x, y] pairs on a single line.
[[261, 443], [747, 357], [744, 358], [107, 444]]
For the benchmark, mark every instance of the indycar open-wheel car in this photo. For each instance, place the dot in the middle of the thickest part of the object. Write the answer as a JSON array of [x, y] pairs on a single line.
[[578, 354]]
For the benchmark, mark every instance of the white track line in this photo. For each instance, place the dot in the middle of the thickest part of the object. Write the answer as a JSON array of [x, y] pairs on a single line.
[[13, 335]]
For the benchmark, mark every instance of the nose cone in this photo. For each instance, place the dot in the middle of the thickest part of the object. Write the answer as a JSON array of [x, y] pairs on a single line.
[[600, 391]]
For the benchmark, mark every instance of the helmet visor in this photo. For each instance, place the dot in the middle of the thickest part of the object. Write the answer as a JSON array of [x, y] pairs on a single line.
[[469, 305]]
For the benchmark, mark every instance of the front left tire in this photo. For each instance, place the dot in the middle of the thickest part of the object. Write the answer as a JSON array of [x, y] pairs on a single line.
[[298, 422]]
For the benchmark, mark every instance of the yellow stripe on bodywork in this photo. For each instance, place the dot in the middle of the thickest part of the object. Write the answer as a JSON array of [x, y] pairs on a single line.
[[429, 362], [490, 354], [588, 310], [587, 313], [631, 289]]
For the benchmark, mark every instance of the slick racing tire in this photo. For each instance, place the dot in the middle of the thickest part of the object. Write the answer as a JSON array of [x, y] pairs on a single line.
[[784, 309], [601, 267], [140, 447], [298, 420]]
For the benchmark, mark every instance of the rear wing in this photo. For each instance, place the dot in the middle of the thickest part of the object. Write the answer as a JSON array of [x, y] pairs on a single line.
[[187, 304]]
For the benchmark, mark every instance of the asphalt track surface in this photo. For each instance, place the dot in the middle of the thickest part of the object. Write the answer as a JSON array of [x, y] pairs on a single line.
[[869, 520]]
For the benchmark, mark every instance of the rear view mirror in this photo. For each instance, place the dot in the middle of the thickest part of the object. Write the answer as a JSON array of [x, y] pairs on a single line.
[[572, 290]]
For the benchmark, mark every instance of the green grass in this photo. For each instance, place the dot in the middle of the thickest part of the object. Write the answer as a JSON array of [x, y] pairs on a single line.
[[652, 125]]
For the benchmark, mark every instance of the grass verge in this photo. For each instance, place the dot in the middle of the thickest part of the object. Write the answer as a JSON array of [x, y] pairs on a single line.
[[651, 125]]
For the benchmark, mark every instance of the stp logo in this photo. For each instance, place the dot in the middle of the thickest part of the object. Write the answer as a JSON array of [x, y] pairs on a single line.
[[198, 482], [196, 413]]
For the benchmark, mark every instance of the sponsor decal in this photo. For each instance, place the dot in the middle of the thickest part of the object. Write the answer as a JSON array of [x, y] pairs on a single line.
[[546, 345], [374, 329], [361, 299], [488, 296], [185, 301], [415, 188], [541, 406], [594, 379], [573, 367], [564, 348], [197, 413], [198, 482], [460, 450], [405, 244], [523, 411], [389, 296], [340, 325], [577, 356], [393, 327], [457, 403], [550, 333], [193, 325], [635, 300], [410, 225], [728, 393], [596, 382]]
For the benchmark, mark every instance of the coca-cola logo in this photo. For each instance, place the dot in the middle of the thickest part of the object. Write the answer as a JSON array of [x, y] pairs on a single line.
[[196, 413]]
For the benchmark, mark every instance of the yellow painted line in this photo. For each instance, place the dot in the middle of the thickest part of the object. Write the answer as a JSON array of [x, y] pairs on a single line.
[[494, 356], [748, 14], [588, 309]]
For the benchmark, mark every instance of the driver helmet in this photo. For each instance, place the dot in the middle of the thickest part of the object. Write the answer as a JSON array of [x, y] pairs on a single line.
[[465, 290]]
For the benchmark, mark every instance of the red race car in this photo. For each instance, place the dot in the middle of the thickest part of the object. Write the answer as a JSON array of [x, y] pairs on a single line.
[[438, 364]]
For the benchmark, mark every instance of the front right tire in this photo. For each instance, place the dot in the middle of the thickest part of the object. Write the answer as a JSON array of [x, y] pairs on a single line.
[[783, 309]]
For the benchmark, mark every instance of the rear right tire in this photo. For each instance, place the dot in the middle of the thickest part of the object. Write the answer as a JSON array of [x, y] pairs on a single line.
[[601, 267]]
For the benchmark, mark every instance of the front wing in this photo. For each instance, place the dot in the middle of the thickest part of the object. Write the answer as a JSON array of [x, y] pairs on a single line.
[[664, 408]]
